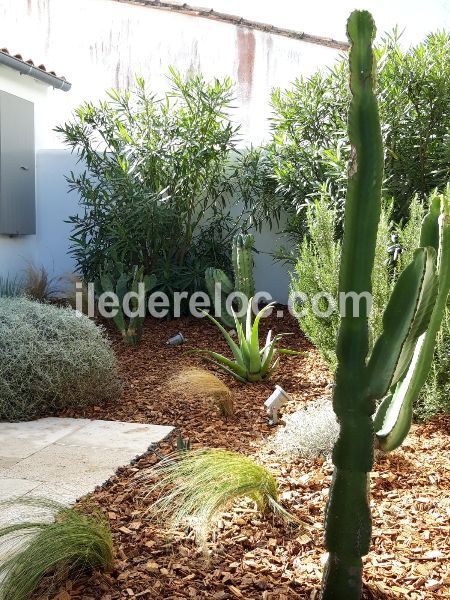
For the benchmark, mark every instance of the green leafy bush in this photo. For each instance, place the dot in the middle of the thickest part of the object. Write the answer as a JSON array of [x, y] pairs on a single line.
[[310, 147], [51, 358], [317, 268], [435, 397], [157, 170], [71, 544]]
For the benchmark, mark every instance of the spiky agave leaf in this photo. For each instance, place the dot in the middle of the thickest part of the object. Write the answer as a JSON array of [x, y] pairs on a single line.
[[195, 487], [74, 541], [251, 363]]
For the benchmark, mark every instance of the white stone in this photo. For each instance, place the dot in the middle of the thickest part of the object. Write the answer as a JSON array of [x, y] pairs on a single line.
[[64, 459], [128, 436], [23, 439]]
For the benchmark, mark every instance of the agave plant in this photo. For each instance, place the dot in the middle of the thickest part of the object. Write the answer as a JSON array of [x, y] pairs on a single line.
[[251, 363]]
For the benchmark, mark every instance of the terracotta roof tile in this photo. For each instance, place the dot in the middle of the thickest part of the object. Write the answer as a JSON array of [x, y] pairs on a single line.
[[30, 62]]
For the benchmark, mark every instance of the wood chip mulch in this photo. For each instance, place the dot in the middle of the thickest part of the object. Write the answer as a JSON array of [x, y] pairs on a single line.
[[253, 557]]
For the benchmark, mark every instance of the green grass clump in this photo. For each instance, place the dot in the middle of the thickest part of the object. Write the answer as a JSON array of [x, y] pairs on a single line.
[[10, 287], [194, 487], [74, 542]]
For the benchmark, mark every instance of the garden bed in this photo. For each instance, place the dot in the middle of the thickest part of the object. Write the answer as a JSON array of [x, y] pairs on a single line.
[[251, 556]]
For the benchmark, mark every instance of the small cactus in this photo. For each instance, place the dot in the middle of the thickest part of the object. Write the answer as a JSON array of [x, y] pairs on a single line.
[[243, 264], [121, 283], [242, 259]]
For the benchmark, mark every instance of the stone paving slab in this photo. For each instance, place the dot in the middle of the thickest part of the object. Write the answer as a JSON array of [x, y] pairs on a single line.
[[64, 459], [23, 439], [98, 434]]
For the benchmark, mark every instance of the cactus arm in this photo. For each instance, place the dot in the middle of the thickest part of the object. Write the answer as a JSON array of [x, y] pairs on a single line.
[[405, 319], [242, 259], [214, 277], [394, 416], [430, 231], [106, 284], [231, 343], [348, 521]]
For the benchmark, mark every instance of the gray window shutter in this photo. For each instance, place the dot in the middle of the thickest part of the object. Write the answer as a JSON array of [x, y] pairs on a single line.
[[17, 166]]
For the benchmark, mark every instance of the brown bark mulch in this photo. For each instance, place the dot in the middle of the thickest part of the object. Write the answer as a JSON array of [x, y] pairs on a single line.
[[254, 557]]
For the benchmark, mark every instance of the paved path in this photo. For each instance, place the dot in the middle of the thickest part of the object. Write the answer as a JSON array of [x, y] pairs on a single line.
[[64, 459]]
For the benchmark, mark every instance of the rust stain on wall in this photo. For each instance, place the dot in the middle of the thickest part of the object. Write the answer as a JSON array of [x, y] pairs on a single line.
[[246, 60]]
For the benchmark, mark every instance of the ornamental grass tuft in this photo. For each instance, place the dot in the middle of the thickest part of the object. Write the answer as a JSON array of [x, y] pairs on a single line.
[[73, 543], [195, 486], [203, 384]]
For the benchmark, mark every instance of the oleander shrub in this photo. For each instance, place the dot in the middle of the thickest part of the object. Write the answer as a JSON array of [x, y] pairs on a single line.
[[51, 358], [309, 144]]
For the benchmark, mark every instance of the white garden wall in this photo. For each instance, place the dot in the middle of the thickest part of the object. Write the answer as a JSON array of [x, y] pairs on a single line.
[[99, 44]]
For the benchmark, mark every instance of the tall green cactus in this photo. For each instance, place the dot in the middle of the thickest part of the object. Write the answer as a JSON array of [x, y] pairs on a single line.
[[402, 355], [242, 259]]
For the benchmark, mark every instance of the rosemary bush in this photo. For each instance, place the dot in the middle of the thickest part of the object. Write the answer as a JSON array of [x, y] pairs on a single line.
[[50, 358], [317, 269]]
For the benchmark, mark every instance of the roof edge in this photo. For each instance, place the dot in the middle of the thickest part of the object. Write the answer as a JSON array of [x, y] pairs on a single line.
[[25, 68], [214, 15]]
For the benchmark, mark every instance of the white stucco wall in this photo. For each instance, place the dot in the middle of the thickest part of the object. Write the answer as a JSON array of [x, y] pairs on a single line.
[[99, 44]]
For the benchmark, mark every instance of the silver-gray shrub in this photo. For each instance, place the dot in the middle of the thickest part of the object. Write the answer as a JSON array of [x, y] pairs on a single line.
[[309, 432], [50, 359]]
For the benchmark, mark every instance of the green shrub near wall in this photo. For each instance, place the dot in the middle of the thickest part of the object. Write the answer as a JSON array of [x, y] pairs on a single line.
[[309, 145], [316, 270], [51, 358]]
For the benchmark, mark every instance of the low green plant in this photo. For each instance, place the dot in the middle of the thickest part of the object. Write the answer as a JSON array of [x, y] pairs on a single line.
[[124, 283], [74, 542], [217, 279], [251, 363], [194, 487], [11, 287], [50, 359]]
